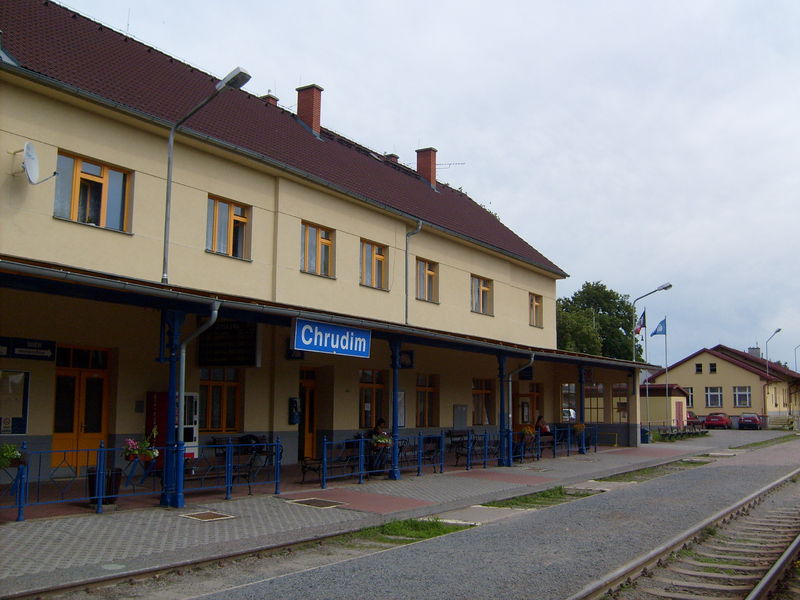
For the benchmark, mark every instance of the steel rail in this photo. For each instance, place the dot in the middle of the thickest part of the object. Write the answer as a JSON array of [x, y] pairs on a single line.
[[776, 572], [640, 565]]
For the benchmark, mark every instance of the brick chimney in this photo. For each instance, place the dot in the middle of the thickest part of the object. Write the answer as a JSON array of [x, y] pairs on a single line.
[[392, 158], [426, 164], [309, 106], [270, 99]]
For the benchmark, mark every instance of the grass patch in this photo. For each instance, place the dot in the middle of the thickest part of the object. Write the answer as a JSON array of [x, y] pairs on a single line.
[[551, 497], [653, 472], [774, 441], [402, 532]]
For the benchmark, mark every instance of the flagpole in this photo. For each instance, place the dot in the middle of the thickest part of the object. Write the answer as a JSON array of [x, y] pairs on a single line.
[[647, 381], [666, 369]]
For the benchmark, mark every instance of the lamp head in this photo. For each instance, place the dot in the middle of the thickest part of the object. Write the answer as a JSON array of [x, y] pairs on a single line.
[[664, 286], [235, 79]]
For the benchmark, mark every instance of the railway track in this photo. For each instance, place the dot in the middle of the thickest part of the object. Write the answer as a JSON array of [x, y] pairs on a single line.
[[744, 552]]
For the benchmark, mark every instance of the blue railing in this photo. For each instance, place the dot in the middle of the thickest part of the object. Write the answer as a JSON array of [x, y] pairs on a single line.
[[101, 476], [361, 458]]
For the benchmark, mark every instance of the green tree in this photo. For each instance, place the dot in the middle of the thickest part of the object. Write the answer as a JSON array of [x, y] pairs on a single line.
[[596, 320]]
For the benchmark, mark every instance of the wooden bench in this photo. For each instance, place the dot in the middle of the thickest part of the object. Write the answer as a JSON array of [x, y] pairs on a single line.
[[343, 457]]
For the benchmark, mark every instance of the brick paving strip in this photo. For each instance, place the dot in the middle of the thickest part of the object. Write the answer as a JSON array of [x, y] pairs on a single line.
[[78, 549]]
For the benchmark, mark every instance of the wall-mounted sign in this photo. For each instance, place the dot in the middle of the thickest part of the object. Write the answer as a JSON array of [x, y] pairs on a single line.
[[27, 348], [230, 344], [327, 338]]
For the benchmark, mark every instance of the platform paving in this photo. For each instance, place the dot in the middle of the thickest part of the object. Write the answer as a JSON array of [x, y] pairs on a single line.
[[73, 550]]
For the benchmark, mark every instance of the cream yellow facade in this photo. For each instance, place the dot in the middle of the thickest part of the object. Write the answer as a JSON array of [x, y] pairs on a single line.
[[724, 380], [88, 287]]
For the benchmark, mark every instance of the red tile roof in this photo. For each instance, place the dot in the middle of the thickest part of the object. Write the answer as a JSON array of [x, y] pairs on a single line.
[[741, 359], [57, 43]]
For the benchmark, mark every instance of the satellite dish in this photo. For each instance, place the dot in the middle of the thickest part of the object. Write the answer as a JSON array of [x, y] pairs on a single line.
[[30, 163]]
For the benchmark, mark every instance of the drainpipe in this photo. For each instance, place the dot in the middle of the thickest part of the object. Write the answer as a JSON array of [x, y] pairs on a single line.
[[182, 381], [506, 414], [408, 235]]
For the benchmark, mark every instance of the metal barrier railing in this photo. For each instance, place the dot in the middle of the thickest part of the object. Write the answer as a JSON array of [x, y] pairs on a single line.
[[101, 476], [361, 458]]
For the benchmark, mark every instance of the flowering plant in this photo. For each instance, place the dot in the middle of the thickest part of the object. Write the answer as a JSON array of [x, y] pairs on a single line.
[[381, 439], [8, 453], [143, 448]]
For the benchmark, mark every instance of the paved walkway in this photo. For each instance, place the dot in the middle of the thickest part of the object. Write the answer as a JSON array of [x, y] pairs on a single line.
[[41, 553]]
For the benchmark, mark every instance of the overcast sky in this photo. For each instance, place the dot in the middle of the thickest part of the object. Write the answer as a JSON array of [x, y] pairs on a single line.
[[630, 142]]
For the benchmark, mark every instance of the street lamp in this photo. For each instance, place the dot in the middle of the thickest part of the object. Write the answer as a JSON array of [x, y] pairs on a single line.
[[795, 356], [767, 348], [233, 80], [662, 287]]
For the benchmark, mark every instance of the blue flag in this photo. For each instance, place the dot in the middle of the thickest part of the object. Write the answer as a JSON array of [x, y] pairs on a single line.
[[661, 328]]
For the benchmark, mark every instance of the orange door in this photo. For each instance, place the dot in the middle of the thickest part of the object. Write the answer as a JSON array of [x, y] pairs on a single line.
[[308, 418], [81, 416]]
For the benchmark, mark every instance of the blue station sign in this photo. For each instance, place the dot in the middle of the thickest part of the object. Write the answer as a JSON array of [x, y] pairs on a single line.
[[331, 339]]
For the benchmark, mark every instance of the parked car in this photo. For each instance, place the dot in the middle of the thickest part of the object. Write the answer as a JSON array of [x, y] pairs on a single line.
[[720, 420], [693, 420], [749, 421]]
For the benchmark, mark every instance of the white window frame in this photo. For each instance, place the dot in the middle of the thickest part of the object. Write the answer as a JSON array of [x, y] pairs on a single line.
[[714, 391]]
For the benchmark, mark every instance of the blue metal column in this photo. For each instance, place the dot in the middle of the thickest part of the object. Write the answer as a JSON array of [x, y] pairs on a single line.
[[394, 472], [581, 407], [174, 322], [502, 458]]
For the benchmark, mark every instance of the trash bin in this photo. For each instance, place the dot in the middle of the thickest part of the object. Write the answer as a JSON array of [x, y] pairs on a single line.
[[113, 480], [645, 435]]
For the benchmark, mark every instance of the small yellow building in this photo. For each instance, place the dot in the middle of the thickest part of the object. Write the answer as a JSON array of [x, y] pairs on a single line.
[[722, 379], [661, 408]]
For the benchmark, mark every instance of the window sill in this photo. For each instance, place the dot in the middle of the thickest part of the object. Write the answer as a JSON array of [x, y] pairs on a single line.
[[92, 226], [536, 326], [247, 260], [369, 287], [485, 314], [428, 301], [320, 275]]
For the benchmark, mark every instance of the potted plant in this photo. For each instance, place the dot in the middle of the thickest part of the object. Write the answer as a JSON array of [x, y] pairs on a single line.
[[143, 449], [382, 440], [9, 456]]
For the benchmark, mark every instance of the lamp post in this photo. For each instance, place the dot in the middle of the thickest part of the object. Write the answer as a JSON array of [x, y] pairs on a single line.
[[662, 287], [766, 349], [171, 494], [774, 333], [795, 356], [233, 80]]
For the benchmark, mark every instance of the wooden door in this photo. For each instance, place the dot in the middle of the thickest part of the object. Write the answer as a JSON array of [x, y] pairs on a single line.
[[525, 404], [308, 414], [81, 416]]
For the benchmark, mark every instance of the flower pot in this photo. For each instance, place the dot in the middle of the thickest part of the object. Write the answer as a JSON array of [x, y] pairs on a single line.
[[113, 480], [131, 457]]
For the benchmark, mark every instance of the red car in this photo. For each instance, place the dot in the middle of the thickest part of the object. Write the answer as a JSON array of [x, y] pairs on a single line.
[[693, 419], [749, 421], [720, 420]]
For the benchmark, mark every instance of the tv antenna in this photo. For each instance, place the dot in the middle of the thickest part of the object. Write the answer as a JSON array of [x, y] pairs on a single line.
[[450, 164]]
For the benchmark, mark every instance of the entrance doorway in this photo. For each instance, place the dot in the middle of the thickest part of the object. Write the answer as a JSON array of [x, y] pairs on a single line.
[[81, 405], [307, 448], [525, 404]]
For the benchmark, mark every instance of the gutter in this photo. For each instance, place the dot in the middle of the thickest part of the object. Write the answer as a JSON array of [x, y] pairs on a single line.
[[408, 237], [262, 158], [215, 305]]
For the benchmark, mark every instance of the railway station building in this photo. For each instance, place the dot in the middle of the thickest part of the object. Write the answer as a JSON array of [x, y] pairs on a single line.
[[169, 240]]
